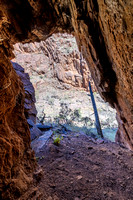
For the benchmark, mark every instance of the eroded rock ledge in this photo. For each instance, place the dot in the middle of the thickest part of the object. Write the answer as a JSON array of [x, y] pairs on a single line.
[[57, 57], [103, 30]]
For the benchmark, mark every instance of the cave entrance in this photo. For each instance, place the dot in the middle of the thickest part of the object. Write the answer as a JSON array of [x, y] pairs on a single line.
[[61, 87]]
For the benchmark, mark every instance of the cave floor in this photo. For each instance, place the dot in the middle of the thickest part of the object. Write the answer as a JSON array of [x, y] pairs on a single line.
[[82, 168]]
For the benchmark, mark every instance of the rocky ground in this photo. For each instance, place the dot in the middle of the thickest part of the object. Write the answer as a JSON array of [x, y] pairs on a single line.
[[82, 168]]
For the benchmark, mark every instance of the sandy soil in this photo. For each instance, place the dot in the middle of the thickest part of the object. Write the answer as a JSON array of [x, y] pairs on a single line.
[[82, 168]]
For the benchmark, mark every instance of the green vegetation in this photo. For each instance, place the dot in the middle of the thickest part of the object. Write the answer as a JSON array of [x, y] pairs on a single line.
[[39, 158], [57, 140], [77, 113]]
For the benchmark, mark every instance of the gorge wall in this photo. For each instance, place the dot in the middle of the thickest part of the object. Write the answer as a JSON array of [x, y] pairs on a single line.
[[103, 31], [30, 111], [58, 57], [16, 157]]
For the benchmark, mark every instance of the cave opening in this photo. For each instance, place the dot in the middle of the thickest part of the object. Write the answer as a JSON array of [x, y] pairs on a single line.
[[60, 77], [78, 168]]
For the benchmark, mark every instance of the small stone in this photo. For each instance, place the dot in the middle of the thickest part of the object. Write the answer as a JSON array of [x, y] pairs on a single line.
[[103, 149], [104, 192], [79, 177], [49, 198], [76, 198], [100, 141], [72, 152]]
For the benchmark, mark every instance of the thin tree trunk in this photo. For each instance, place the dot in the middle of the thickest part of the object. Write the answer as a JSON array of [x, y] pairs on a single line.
[[97, 121]]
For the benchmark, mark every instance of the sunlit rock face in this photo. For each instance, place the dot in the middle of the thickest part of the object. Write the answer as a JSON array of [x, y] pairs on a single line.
[[57, 57], [103, 32]]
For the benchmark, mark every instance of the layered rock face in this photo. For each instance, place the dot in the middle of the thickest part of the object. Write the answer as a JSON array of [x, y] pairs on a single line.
[[16, 158], [103, 31], [56, 57], [29, 100]]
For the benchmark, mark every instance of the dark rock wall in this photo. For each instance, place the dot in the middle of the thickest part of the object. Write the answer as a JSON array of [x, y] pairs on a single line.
[[29, 100], [103, 30]]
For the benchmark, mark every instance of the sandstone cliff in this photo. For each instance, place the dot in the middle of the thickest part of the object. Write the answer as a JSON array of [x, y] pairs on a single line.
[[16, 157], [56, 57]]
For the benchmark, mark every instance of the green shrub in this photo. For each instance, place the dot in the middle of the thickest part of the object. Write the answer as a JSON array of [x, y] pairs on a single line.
[[57, 140]]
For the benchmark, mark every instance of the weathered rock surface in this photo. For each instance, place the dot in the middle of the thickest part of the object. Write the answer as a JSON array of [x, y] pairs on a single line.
[[56, 57], [16, 157], [29, 102], [81, 167], [103, 29]]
